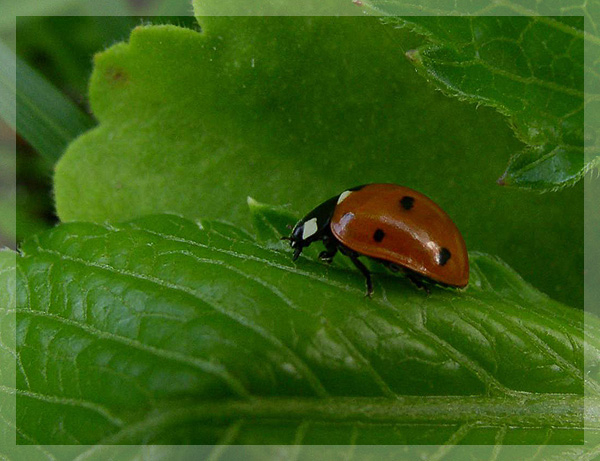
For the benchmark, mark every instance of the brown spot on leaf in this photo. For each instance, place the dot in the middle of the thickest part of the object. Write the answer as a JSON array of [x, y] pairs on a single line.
[[501, 181], [413, 55], [117, 75]]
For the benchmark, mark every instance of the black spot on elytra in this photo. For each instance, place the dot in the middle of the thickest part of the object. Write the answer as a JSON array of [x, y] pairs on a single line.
[[443, 256], [378, 235], [407, 202]]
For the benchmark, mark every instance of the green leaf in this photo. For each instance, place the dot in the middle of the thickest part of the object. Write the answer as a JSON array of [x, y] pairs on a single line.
[[44, 117], [166, 331], [292, 111], [528, 68]]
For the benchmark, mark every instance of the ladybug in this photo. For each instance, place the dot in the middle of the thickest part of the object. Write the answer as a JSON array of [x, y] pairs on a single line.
[[394, 225]]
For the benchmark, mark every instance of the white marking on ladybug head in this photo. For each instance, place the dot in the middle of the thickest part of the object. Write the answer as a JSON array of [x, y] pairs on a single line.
[[343, 195], [310, 228]]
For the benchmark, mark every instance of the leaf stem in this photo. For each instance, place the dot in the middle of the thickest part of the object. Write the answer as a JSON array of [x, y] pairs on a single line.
[[526, 411]]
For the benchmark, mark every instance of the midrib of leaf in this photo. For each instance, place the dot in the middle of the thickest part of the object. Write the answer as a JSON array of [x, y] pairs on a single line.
[[517, 78], [550, 21], [525, 411]]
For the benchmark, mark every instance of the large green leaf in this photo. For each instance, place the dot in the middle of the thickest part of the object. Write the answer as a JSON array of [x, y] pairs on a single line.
[[293, 111], [162, 330]]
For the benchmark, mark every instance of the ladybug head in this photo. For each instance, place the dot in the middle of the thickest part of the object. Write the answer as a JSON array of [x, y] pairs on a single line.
[[314, 226], [297, 240]]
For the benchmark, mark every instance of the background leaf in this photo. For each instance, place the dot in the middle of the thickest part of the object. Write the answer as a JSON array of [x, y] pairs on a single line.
[[136, 333], [292, 111], [45, 117], [530, 69]]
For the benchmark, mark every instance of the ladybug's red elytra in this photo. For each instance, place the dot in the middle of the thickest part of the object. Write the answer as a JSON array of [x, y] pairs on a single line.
[[395, 225]]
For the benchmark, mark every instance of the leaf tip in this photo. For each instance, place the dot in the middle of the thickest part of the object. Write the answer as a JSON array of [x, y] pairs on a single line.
[[414, 56], [252, 203]]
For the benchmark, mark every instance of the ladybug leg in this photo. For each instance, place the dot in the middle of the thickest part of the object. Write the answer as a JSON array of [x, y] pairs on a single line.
[[392, 267], [418, 281], [330, 252], [298, 249], [327, 256], [361, 267]]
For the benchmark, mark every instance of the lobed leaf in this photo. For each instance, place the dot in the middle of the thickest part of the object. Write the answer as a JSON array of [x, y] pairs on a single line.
[[166, 331]]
